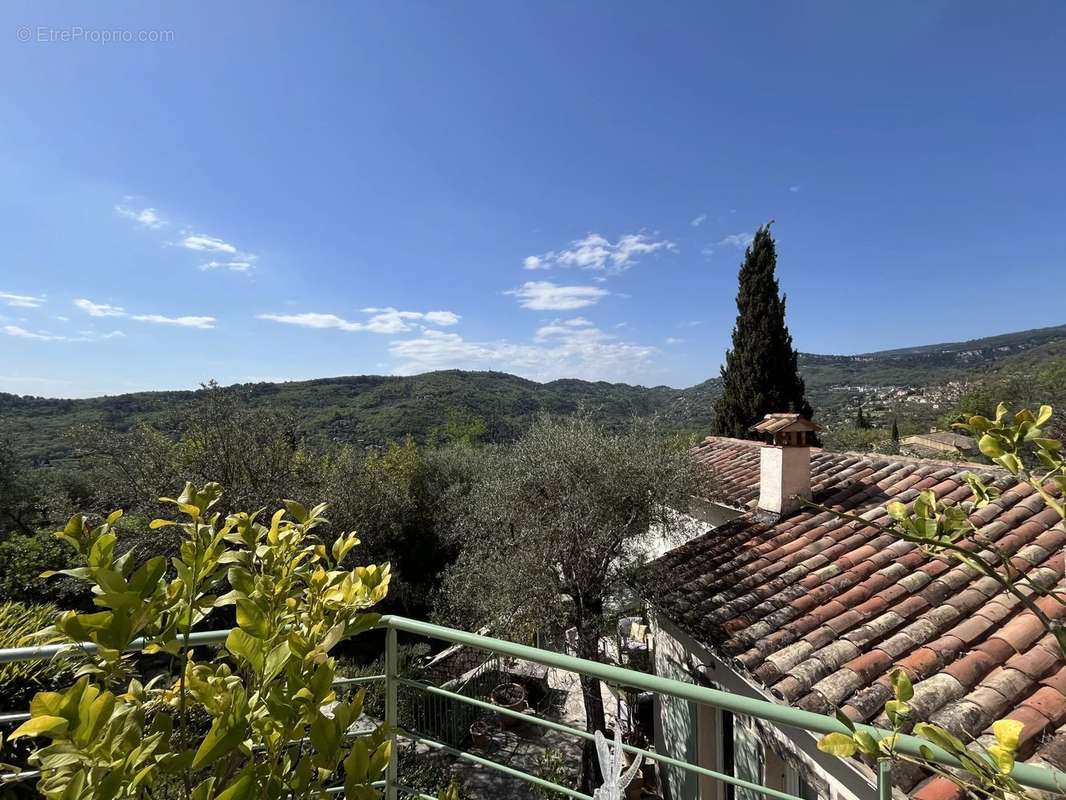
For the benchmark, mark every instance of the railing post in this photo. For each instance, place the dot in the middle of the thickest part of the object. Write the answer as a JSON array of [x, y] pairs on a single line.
[[391, 716], [884, 779]]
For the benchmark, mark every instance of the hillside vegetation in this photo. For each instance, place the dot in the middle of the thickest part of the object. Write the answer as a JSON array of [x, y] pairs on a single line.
[[366, 410], [918, 385]]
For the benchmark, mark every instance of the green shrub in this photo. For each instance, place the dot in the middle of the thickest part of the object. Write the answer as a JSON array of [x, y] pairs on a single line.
[[20, 681], [24, 558]]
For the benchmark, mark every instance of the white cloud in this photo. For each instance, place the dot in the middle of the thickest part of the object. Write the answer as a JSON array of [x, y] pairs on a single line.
[[442, 318], [44, 336], [314, 320], [697, 221], [204, 323], [22, 333], [599, 254], [548, 296], [793, 188], [148, 217], [99, 309], [200, 241], [21, 300], [690, 323], [381, 320], [243, 264], [738, 240], [673, 340], [559, 349]]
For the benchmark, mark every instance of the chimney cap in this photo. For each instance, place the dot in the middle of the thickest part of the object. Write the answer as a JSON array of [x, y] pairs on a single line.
[[785, 423]]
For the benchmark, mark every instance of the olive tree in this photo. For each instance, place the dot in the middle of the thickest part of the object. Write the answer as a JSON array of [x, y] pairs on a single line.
[[548, 528]]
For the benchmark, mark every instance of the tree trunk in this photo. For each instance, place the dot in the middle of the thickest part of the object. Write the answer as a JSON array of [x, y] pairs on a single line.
[[588, 647]]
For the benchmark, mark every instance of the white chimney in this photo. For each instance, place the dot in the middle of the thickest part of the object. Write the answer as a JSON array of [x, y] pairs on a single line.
[[785, 462]]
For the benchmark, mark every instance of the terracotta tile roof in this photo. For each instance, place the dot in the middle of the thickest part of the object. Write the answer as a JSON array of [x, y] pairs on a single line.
[[820, 610]]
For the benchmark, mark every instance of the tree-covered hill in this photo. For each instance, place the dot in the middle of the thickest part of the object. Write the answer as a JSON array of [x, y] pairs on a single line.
[[918, 384], [368, 409]]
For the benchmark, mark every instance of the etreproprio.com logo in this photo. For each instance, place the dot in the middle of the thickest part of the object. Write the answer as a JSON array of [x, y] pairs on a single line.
[[77, 33]]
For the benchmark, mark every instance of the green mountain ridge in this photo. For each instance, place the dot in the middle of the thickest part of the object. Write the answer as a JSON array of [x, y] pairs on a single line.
[[371, 409]]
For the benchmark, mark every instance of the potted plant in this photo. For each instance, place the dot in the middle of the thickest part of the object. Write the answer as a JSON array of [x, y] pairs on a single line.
[[479, 734], [511, 696]]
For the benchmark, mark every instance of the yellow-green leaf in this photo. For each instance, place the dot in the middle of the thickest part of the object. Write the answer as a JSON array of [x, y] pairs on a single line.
[[838, 744], [241, 789], [901, 685], [41, 726]]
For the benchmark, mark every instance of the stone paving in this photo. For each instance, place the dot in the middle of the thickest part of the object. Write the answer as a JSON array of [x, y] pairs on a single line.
[[523, 747]]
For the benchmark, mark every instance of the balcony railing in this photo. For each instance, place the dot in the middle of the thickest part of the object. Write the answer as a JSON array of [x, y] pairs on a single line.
[[1026, 774]]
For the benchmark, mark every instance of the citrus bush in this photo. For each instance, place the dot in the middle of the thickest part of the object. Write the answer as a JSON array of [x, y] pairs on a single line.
[[273, 724]]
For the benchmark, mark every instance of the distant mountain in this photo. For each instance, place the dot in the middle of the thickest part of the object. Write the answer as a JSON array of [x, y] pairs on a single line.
[[365, 410], [922, 382]]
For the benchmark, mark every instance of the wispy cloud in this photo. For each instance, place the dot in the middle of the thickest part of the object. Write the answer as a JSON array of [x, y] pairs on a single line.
[[738, 240], [697, 221], [793, 188], [105, 310], [673, 340], [203, 242], [44, 336], [234, 265], [204, 323], [21, 300], [690, 323], [148, 217], [99, 309], [22, 333], [570, 348], [228, 257], [599, 254], [548, 296], [388, 321]]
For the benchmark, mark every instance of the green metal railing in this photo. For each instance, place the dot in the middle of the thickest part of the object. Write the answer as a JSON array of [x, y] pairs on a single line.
[[1026, 774]]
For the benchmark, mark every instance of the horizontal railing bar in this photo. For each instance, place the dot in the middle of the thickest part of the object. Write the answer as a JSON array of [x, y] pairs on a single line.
[[514, 773], [1052, 780], [557, 726], [19, 777], [10, 655], [360, 679], [409, 791], [23, 716]]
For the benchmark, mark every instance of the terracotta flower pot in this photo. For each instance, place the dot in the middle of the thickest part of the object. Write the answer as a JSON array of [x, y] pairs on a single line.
[[479, 735], [511, 696]]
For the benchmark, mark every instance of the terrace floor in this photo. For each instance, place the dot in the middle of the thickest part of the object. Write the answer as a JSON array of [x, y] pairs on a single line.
[[523, 747]]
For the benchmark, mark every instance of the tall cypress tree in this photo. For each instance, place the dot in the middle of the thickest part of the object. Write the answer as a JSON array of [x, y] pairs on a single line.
[[860, 420], [760, 375]]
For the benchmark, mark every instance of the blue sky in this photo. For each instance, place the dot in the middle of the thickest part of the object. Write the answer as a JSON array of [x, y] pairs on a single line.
[[280, 191]]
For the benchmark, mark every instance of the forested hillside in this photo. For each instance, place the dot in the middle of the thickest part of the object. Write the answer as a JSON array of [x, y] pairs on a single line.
[[917, 384], [367, 410]]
